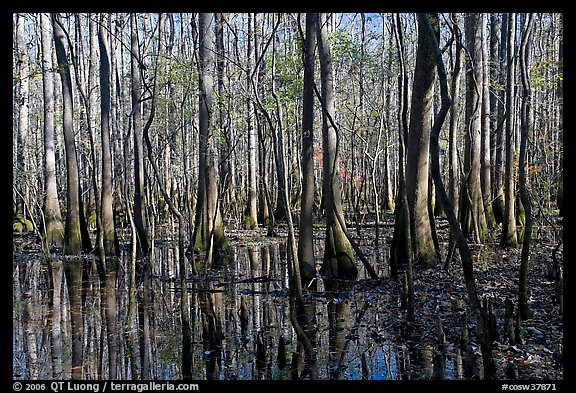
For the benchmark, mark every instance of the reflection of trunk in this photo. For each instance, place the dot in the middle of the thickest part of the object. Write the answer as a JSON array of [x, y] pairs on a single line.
[[212, 335], [144, 324], [73, 271], [28, 323], [56, 319], [111, 315], [339, 314]]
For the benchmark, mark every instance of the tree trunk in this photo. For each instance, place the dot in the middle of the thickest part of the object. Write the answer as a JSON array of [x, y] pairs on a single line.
[[418, 150], [497, 110], [53, 225], [509, 236], [23, 114], [485, 150], [473, 217], [139, 191], [482, 321], [339, 260], [560, 94], [109, 233], [72, 235], [305, 238], [225, 142], [525, 119], [401, 247], [251, 218], [208, 228]]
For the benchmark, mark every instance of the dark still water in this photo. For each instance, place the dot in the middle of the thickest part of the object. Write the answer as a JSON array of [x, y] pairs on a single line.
[[71, 320]]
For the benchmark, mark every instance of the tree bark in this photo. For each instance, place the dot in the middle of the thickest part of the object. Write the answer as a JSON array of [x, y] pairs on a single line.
[[23, 112], [509, 236], [482, 321], [208, 228], [251, 218], [109, 233], [53, 225], [485, 149], [305, 237], [139, 190], [525, 119], [339, 260], [473, 217], [497, 35], [72, 236], [418, 150]]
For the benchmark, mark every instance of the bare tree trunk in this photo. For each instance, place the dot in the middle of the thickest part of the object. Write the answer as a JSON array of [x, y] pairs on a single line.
[[53, 225], [72, 236], [401, 244], [560, 94], [525, 119], [485, 150], [480, 314], [108, 231], [497, 109], [23, 112], [305, 238], [139, 191], [251, 219], [339, 261], [509, 236], [473, 216], [208, 228], [418, 152]]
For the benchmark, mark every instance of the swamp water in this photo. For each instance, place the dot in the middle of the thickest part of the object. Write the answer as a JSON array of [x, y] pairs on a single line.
[[69, 321]]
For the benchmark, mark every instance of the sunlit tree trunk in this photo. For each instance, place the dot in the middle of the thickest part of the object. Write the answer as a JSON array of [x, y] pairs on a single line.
[[497, 109], [454, 167], [473, 218], [23, 112], [418, 147], [560, 94], [486, 152], [339, 261], [53, 225], [526, 124], [251, 218], [509, 236]]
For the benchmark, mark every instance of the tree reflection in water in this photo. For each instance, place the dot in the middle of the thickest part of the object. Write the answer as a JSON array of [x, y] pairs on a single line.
[[70, 322]]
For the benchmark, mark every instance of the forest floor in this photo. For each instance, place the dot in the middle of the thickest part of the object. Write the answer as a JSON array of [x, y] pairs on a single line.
[[537, 355]]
